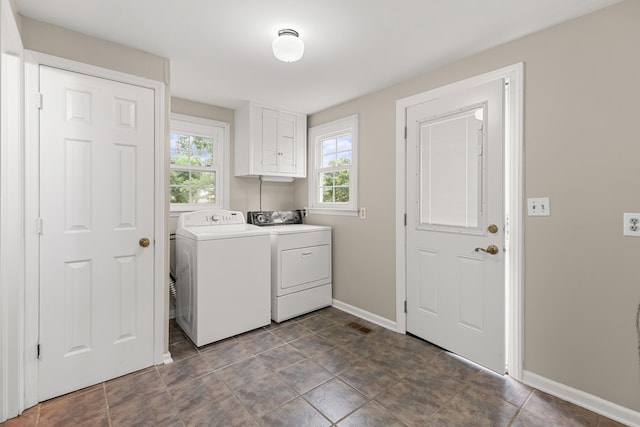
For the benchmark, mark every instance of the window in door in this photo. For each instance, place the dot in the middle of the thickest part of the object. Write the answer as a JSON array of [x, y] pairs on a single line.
[[333, 178], [198, 171], [452, 173]]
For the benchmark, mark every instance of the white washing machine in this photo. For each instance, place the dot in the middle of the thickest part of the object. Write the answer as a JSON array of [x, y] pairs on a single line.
[[223, 271], [300, 263]]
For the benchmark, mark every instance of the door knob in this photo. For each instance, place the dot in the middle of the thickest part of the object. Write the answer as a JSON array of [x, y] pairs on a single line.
[[144, 242], [492, 228], [491, 249]]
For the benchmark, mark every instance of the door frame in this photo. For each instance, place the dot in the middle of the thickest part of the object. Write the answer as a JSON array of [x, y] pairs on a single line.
[[514, 148], [11, 214], [33, 61]]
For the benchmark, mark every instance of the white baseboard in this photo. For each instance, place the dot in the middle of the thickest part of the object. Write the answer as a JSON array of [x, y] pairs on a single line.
[[363, 314], [166, 358], [586, 400]]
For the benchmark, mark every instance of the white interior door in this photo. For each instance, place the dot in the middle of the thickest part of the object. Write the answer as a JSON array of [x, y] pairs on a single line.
[[96, 204], [455, 223]]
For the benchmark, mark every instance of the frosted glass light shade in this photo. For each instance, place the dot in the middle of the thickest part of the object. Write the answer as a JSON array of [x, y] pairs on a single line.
[[287, 46]]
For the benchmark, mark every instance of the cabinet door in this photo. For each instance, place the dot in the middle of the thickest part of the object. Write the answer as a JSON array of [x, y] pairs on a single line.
[[286, 143], [269, 140]]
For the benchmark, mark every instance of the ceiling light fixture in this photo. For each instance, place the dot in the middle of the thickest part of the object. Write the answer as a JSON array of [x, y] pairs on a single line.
[[288, 46]]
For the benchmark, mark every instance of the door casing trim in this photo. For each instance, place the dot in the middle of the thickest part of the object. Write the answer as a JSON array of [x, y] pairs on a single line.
[[514, 148], [33, 60]]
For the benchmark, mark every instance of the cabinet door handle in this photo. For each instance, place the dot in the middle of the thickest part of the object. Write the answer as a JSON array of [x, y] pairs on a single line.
[[307, 253]]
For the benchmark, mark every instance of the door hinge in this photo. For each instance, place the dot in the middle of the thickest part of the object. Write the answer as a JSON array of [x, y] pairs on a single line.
[[405, 220], [38, 351], [39, 226], [405, 306], [38, 100], [405, 133]]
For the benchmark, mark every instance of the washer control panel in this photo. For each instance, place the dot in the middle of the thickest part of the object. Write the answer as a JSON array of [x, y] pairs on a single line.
[[211, 217]]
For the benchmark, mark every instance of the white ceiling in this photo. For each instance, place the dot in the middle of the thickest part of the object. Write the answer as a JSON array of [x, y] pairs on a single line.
[[220, 50]]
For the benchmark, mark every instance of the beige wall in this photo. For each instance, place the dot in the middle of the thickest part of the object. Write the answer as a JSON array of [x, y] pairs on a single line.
[[582, 285], [58, 41]]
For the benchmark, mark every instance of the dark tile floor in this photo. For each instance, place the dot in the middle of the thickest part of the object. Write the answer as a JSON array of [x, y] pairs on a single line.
[[316, 370]]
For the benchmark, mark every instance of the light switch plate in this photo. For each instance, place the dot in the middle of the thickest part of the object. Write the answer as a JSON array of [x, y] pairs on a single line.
[[538, 206], [632, 224]]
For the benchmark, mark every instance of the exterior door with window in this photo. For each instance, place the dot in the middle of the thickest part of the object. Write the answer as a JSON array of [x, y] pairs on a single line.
[[455, 223], [97, 227]]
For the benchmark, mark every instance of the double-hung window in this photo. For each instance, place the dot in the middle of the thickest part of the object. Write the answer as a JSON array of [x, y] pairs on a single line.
[[333, 177], [198, 174]]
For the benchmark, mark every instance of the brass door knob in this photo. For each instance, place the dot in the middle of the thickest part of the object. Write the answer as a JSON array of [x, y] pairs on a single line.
[[144, 242], [492, 228], [491, 249]]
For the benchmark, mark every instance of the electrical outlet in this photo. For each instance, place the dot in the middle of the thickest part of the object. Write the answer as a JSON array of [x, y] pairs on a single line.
[[632, 224], [363, 213], [538, 206]]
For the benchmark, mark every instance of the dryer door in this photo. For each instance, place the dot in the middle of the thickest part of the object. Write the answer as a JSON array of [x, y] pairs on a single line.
[[304, 268]]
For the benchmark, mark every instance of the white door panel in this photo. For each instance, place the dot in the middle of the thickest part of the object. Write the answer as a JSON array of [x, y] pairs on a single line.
[[455, 292], [96, 202]]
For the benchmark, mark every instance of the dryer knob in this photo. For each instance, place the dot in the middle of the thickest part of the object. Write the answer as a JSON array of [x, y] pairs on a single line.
[[215, 218]]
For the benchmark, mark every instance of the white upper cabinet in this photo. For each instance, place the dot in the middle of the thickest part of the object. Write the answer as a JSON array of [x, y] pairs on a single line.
[[270, 142]]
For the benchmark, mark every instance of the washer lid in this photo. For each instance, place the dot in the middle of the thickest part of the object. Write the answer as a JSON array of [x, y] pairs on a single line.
[[213, 232]]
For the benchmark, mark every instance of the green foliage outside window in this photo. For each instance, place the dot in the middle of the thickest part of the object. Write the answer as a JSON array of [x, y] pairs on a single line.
[[335, 185], [194, 182]]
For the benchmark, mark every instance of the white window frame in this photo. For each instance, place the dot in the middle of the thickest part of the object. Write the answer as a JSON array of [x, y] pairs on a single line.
[[190, 125], [316, 135]]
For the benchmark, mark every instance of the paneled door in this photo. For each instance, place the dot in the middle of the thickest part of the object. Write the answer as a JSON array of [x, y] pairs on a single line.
[[455, 223], [97, 227]]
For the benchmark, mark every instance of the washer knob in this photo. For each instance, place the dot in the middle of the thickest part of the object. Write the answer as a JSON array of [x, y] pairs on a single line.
[[215, 218]]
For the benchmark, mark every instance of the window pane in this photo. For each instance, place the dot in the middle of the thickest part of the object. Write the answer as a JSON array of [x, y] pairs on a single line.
[[178, 177], [328, 146], [342, 194], [179, 194], [327, 195], [342, 177], [451, 172], [327, 179], [180, 149], [202, 151], [191, 150], [329, 160], [199, 179], [344, 158], [192, 187], [203, 195], [344, 143]]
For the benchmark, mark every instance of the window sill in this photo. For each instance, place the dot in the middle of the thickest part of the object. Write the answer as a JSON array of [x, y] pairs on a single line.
[[186, 207], [330, 211]]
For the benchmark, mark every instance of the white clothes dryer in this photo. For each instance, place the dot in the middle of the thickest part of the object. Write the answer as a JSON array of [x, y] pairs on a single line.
[[223, 270], [300, 263]]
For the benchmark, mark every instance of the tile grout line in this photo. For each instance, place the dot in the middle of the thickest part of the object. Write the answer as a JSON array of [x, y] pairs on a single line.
[[106, 402]]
